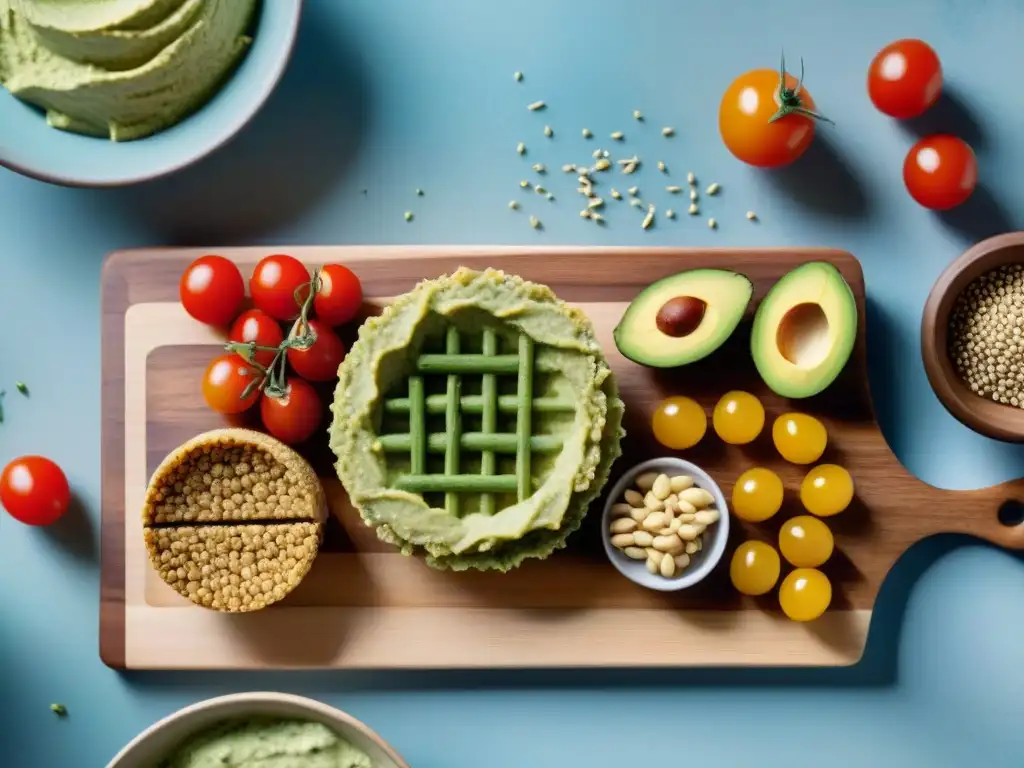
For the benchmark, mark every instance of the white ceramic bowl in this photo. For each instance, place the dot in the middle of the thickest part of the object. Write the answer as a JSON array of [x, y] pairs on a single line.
[[714, 541], [161, 739]]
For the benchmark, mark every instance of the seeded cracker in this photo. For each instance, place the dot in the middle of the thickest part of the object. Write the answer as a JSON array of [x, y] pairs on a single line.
[[233, 519]]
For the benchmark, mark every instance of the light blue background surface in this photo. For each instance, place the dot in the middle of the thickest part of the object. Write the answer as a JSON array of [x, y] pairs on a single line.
[[387, 96]]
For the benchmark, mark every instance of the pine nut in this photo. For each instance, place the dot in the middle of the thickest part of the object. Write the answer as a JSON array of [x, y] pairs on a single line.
[[692, 548], [623, 525], [666, 532], [621, 510], [653, 566], [633, 498], [699, 497], [643, 538], [681, 561], [654, 521], [687, 532], [639, 514], [652, 502], [707, 516], [681, 483], [668, 567], [675, 524], [645, 481], [670, 544], [685, 507], [623, 540], [635, 553], [662, 487], [688, 517]]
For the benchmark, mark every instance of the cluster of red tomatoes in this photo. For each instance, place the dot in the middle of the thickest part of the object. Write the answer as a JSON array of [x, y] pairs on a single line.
[[274, 350], [767, 119]]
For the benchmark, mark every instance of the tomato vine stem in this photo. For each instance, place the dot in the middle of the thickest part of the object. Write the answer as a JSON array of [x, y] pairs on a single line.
[[790, 102], [273, 380]]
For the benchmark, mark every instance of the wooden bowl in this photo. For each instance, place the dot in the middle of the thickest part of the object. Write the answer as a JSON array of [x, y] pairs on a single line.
[[1002, 422]]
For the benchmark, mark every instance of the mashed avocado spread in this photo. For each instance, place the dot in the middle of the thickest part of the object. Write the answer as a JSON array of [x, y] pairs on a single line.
[[120, 69], [268, 743]]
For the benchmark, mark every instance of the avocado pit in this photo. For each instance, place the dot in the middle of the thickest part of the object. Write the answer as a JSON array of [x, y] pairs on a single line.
[[680, 316], [803, 336]]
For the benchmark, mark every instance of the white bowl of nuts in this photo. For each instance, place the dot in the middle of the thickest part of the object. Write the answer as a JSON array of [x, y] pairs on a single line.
[[665, 524]]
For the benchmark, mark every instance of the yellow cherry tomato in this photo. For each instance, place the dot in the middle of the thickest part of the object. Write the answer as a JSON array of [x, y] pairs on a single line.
[[826, 490], [757, 495], [799, 438], [679, 423], [805, 541], [805, 594], [754, 568], [738, 417]]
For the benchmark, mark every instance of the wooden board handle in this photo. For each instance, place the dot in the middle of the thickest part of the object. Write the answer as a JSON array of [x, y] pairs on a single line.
[[994, 514]]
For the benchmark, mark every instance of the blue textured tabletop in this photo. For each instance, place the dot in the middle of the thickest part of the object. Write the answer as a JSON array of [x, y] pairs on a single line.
[[386, 96]]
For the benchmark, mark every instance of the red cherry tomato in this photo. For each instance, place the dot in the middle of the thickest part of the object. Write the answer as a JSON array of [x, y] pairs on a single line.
[[320, 362], [274, 283], [259, 327], [225, 382], [340, 296], [212, 290], [905, 78], [34, 490], [295, 417], [940, 172]]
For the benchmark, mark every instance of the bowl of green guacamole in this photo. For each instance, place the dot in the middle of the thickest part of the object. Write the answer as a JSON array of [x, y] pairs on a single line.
[[105, 93], [258, 730]]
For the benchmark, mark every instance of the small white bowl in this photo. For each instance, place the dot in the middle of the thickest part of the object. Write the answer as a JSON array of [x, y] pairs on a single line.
[[714, 539], [160, 740]]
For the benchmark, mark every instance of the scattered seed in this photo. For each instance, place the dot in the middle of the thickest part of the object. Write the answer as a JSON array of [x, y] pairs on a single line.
[[630, 168], [586, 213], [712, 224], [616, 194], [59, 710], [540, 190], [22, 387], [605, 153], [596, 154], [649, 218], [661, 167], [569, 168], [691, 179], [518, 76], [521, 148], [408, 216], [617, 135], [636, 202], [670, 213], [634, 191], [668, 131], [673, 189], [751, 216], [536, 106], [513, 205], [595, 202], [548, 132], [597, 217], [694, 210], [551, 197], [712, 189], [587, 133], [637, 114], [693, 195], [524, 184], [419, 193], [539, 168], [602, 165], [535, 222]]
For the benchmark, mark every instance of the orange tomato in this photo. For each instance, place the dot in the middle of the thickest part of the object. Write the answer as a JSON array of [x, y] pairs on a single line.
[[762, 127]]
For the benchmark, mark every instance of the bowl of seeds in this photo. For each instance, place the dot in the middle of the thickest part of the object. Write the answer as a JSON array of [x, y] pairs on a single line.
[[972, 338], [665, 524]]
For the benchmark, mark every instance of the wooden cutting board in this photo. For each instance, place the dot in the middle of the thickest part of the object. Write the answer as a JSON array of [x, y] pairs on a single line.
[[365, 606]]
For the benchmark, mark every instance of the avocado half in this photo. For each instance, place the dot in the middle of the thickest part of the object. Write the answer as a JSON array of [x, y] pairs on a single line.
[[683, 318], [804, 330]]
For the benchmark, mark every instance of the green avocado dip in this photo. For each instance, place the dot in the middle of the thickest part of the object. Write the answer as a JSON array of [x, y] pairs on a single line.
[[267, 743], [120, 69]]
